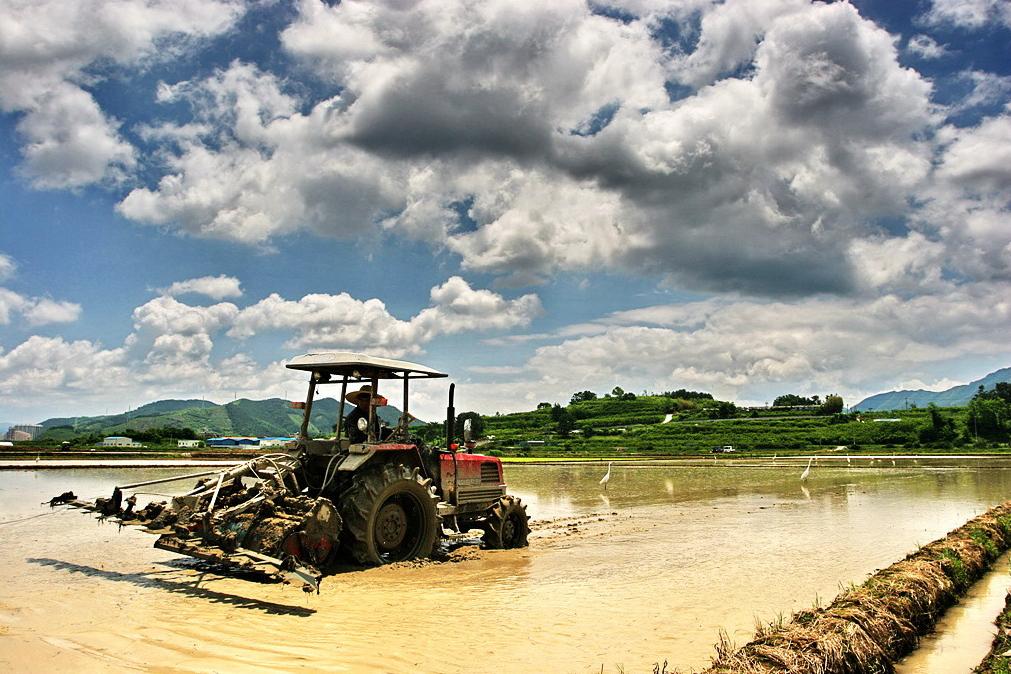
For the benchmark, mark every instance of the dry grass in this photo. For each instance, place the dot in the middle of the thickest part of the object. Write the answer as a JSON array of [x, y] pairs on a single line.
[[869, 627]]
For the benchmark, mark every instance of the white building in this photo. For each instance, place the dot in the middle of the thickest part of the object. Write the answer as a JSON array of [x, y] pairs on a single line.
[[119, 441], [24, 432], [189, 444], [276, 442]]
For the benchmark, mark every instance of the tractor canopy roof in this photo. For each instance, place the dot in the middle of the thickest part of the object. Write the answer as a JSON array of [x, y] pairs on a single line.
[[360, 366]]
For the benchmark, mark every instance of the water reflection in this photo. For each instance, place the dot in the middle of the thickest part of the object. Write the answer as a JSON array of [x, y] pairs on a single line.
[[564, 490]]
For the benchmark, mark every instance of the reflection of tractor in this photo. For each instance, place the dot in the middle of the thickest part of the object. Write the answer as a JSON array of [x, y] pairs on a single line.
[[376, 494]]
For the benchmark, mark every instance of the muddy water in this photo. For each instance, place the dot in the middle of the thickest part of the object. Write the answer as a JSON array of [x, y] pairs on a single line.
[[649, 571], [965, 632]]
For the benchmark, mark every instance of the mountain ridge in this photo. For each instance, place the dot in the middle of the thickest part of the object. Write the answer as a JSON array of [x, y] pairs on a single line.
[[263, 418], [956, 396]]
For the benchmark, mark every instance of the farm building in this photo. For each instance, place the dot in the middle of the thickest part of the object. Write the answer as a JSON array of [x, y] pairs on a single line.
[[234, 442], [120, 441]]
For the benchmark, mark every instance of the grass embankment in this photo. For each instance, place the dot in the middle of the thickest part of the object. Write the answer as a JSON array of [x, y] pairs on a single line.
[[996, 661], [869, 627]]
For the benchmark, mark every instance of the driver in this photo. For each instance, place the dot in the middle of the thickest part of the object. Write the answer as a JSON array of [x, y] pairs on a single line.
[[361, 400]]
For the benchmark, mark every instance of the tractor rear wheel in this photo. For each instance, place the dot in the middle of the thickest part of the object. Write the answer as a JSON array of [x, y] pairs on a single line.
[[507, 525], [390, 515]]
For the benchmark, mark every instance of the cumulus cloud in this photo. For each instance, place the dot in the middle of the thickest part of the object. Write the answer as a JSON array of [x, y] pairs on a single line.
[[980, 157], [69, 142], [730, 34], [911, 263], [327, 320], [253, 167], [988, 89], [167, 315], [59, 376], [968, 206], [341, 321], [364, 159], [32, 311], [216, 287], [925, 47], [799, 131], [171, 349], [793, 132], [7, 267], [42, 311], [47, 49], [53, 365], [10, 302], [971, 14], [447, 75]]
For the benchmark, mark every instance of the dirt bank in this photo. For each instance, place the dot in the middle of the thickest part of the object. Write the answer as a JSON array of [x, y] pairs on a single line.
[[869, 627]]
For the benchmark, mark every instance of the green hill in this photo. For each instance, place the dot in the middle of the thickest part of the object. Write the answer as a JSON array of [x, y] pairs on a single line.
[[957, 396], [660, 425], [264, 418]]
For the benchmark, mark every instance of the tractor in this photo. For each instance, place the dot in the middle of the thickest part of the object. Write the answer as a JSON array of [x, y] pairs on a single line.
[[371, 494]]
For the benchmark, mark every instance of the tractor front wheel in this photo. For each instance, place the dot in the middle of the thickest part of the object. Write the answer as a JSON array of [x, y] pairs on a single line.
[[390, 515], [507, 525]]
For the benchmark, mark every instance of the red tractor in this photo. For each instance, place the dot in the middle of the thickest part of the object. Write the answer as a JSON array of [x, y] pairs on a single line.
[[371, 493]]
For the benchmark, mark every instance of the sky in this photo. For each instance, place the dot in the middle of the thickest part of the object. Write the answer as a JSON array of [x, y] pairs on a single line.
[[748, 198]]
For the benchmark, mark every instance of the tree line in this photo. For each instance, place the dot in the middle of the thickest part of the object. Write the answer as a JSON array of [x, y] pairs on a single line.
[[833, 404]]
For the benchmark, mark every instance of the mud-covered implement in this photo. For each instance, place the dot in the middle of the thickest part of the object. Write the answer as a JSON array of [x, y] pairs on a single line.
[[267, 526], [370, 493]]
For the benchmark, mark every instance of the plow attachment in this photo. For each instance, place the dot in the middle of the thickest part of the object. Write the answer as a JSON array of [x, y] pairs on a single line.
[[264, 526]]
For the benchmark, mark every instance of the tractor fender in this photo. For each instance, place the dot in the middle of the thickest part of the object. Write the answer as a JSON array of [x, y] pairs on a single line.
[[359, 455], [353, 462]]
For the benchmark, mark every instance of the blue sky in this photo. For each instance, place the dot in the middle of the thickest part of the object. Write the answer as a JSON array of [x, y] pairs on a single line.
[[748, 198]]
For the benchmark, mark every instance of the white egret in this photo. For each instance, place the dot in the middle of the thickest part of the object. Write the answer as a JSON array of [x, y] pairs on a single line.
[[807, 471], [847, 460], [774, 459], [607, 478], [36, 458], [893, 462]]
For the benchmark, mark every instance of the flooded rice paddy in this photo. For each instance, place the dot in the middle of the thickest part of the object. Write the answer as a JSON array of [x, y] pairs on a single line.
[[649, 571]]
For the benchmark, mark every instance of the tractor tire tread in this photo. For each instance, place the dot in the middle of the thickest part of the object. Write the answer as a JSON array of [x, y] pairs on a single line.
[[505, 507], [365, 489]]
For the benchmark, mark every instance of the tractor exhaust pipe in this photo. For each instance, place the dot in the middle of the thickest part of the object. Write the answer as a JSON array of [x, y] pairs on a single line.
[[450, 419]]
